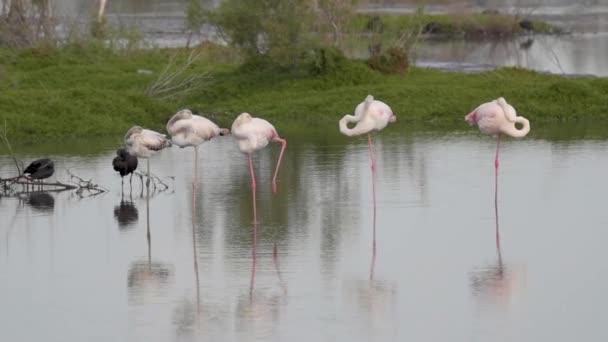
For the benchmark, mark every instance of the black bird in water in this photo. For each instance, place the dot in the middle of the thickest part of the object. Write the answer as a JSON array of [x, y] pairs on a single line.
[[40, 169], [125, 164]]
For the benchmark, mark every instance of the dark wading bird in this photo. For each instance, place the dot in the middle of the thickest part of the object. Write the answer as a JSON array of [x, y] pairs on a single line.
[[124, 163], [40, 169]]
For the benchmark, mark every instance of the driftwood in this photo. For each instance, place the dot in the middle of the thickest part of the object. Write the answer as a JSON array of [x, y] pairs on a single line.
[[24, 180]]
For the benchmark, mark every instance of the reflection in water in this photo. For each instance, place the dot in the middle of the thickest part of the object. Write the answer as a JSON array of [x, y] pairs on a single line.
[[494, 280], [339, 286], [126, 214], [147, 277], [378, 298], [194, 253], [42, 201]]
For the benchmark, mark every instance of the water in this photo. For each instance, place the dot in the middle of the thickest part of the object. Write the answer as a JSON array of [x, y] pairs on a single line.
[[75, 268]]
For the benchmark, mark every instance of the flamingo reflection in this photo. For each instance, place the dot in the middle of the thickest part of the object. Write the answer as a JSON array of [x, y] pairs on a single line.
[[147, 276], [495, 281], [275, 260], [194, 251]]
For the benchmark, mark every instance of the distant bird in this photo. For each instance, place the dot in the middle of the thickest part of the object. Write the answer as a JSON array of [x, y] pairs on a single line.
[[143, 143], [187, 129], [254, 134], [40, 169], [498, 118], [370, 115], [124, 163]]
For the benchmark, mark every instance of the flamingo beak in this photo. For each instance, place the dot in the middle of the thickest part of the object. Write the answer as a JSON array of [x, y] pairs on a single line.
[[392, 119], [224, 131]]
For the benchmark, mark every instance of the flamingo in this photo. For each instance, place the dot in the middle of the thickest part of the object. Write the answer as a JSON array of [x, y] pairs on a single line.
[[370, 115], [497, 118], [124, 163], [187, 129], [143, 143], [254, 134]]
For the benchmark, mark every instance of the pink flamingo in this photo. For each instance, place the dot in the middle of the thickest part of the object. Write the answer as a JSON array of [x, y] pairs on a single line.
[[498, 118], [370, 115], [254, 134], [187, 129]]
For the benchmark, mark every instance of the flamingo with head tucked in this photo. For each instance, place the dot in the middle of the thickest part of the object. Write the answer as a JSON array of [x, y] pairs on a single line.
[[498, 118], [254, 134], [187, 129], [143, 143], [370, 115]]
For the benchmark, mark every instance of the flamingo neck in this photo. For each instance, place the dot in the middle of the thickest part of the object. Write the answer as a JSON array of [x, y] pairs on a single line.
[[362, 126], [512, 131]]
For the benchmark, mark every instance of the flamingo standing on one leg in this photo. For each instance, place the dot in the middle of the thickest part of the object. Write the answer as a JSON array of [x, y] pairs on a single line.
[[254, 134], [187, 129], [498, 118], [143, 143], [370, 115]]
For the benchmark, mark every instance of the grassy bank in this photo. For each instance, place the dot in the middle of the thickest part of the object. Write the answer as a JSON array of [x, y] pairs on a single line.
[[75, 92], [464, 24]]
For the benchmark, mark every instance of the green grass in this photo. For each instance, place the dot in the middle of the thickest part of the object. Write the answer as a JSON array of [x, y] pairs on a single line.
[[76, 92], [467, 24]]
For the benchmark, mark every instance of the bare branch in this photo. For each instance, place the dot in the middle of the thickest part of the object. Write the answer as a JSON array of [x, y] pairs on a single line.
[[4, 137]]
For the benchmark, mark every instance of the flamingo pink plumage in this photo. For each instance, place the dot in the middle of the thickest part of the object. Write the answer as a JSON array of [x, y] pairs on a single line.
[[370, 115], [498, 118], [187, 129], [254, 134]]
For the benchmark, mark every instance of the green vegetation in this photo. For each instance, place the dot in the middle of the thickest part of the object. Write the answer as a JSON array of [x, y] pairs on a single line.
[[92, 91], [465, 24]]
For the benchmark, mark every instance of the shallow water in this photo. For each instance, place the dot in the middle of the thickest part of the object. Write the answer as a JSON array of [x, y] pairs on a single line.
[[75, 268]]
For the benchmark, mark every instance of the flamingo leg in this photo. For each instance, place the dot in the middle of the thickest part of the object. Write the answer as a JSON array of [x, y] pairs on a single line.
[[195, 176], [276, 171], [148, 181], [373, 159], [496, 164], [253, 186], [253, 253]]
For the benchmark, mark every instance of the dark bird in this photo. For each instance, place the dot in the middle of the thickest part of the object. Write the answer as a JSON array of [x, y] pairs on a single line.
[[125, 164], [40, 169]]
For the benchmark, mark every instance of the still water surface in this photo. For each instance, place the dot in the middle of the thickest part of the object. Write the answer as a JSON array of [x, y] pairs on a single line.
[[74, 269]]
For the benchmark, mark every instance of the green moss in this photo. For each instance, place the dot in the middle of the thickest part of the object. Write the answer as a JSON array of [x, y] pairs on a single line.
[[77, 92]]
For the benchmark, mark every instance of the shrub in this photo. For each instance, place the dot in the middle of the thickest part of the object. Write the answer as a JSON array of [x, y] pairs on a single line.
[[392, 61]]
